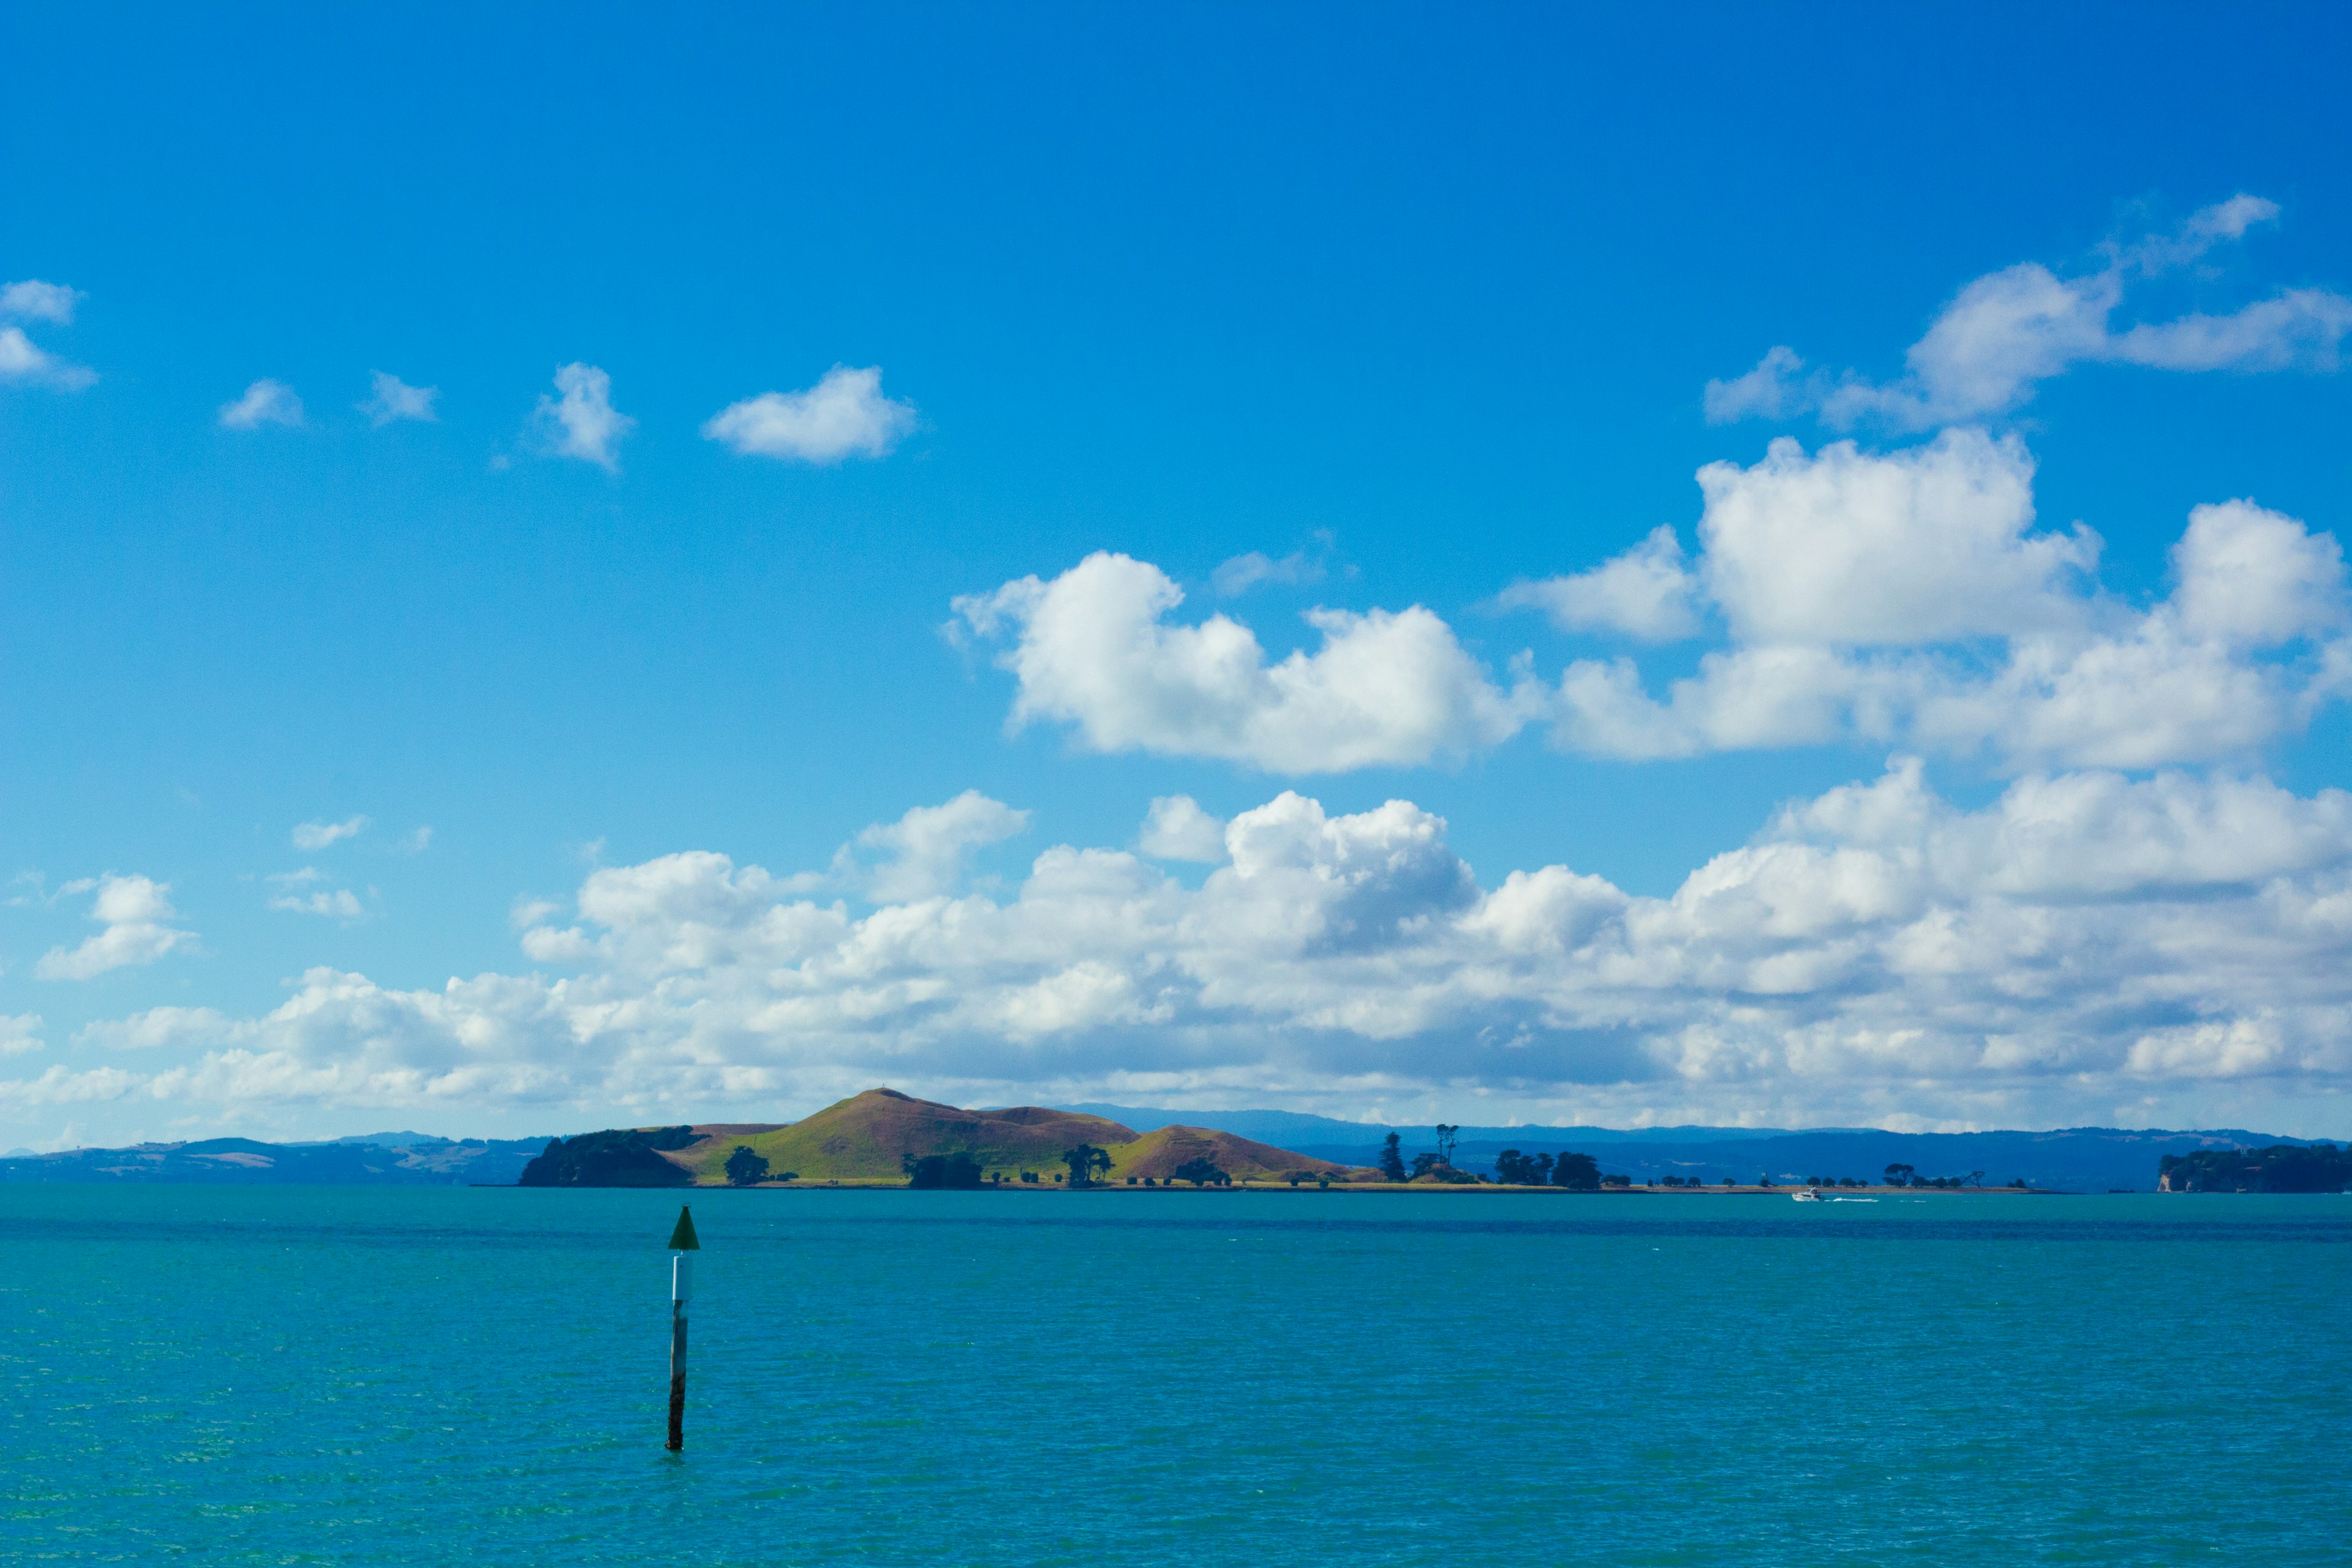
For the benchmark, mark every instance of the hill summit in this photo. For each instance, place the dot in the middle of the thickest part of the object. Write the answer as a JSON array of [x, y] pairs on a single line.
[[871, 1138]]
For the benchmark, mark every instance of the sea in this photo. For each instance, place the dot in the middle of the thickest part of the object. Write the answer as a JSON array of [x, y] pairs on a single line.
[[287, 1375]]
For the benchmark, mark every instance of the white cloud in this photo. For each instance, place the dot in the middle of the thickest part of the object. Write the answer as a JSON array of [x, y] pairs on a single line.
[[134, 912], [845, 414], [19, 1034], [319, 834], [21, 359], [1239, 575], [1092, 648], [2255, 578], [581, 421], [2006, 332], [34, 301], [929, 846], [392, 398], [265, 401], [1176, 828], [1920, 546], [1647, 593], [1906, 598], [160, 1028], [297, 893], [418, 840], [2083, 944]]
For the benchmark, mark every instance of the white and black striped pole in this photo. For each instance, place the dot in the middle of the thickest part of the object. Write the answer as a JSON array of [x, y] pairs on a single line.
[[683, 1246]]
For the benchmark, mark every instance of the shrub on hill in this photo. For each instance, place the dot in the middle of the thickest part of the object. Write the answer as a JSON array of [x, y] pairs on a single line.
[[1200, 1172], [956, 1171]]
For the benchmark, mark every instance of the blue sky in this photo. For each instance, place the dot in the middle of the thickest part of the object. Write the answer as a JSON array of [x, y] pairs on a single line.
[[1417, 304]]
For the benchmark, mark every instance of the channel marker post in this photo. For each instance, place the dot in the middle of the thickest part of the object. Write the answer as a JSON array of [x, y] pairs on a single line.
[[683, 1246]]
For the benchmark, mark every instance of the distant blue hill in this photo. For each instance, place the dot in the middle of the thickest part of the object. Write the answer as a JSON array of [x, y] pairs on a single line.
[[1276, 1126], [398, 1159], [2073, 1159]]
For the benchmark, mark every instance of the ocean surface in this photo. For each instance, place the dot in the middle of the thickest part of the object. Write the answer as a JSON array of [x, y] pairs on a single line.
[[365, 1375]]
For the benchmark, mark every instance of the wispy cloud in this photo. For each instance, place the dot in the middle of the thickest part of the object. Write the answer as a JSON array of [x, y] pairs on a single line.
[[19, 1034], [34, 301], [265, 401], [135, 912], [579, 421], [298, 893], [393, 399], [319, 834], [843, 415], [21, 359], [2009, 330]]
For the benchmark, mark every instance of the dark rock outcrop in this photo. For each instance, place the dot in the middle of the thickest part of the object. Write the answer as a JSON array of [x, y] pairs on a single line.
[[623, 1157]]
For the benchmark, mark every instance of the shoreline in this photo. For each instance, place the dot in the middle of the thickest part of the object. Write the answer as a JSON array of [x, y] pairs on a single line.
[[1829, 1195]]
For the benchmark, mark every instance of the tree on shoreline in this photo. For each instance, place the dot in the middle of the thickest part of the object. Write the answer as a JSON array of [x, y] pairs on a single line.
[[746, 1168], [1515, 1169], [1576, 1173], [1391, 1159], [1084, 1162], [1200, 1170], [941, 1171]]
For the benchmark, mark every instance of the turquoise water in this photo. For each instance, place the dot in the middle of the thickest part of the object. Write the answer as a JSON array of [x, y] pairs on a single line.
[[350, 1375]]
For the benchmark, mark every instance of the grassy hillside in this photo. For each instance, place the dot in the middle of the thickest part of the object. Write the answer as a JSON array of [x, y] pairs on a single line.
[[1158, 1155], [866, 1137]]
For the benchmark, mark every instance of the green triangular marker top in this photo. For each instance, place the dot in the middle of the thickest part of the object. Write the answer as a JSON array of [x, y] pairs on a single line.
[[682, 1238]]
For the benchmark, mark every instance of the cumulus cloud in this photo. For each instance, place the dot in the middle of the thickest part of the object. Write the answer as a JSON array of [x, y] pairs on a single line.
[[135, 911], [2008, 332], [1907, 598], [579, 421], [1093, 648], [391, 399], [19, 1033], [845, 414], [319, 834], [265, 401], [1647, 593], [2086, 942], [21, 359], [1176, 828], [1903, 598], [928, 848]]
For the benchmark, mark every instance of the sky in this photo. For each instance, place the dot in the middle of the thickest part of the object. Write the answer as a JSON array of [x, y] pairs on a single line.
[[598, 565]]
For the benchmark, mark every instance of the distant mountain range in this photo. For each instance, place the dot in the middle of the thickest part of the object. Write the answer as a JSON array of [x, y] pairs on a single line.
[[2073, 1159], [861, 1140], [412, 1158]]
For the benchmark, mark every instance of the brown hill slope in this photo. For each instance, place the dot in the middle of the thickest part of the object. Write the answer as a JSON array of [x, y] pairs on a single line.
[[867, 1136], [1160, 1154]]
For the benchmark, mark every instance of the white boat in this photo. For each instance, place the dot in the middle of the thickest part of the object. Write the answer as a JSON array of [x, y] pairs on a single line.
[[1806, 1196]]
